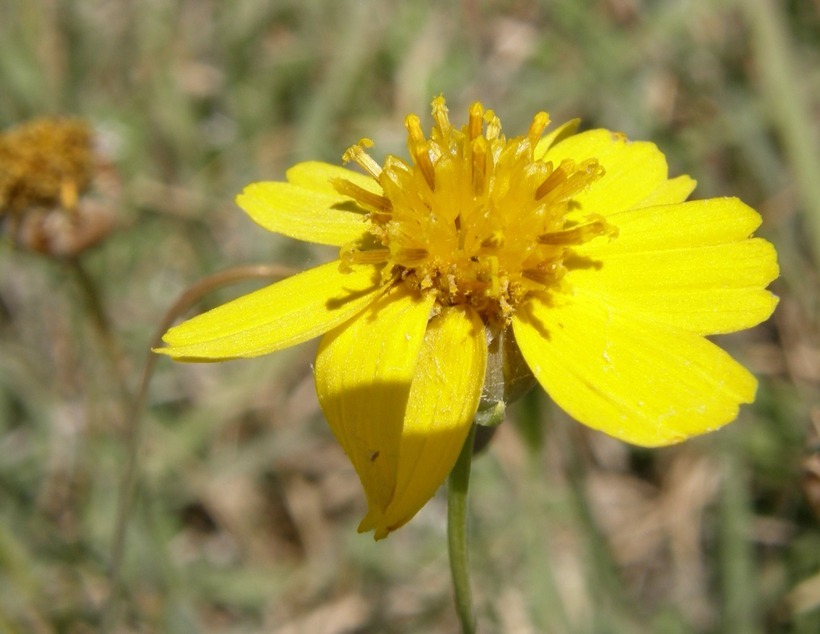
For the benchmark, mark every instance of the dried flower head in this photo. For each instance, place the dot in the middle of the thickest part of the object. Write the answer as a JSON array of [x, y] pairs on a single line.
[[48, 169]]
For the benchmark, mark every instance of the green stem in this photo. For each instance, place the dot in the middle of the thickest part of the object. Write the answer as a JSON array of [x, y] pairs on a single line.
[[457, 494]]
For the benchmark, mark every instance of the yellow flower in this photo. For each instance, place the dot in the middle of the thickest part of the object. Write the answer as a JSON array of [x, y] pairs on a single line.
[[578, 245]]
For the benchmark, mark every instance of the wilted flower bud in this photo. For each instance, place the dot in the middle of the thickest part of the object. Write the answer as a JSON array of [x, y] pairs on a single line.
[[57, 191]]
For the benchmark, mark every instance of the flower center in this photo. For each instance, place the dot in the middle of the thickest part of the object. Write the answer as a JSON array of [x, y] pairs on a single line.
[[45, 162], [475, 219]]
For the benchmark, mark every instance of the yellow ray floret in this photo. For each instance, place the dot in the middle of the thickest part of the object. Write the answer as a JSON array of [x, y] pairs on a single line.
[[286, 313], [637, 380], [419, 385]]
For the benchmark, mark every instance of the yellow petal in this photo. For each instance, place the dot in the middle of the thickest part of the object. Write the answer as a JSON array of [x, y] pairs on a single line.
[[706, 290], [441, 407], [554, 136], [688, 265], [636, 380], [302, 213], [286, 313], [695, 223], [363, 373], [318, 176], [634, 169], [675, 190]]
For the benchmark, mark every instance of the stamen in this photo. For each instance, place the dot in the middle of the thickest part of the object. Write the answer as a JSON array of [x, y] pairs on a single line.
[[556, 175], [361, 195], [537, 127], [479, 151], [493, 125], [351, 254], [440, 117], [580, 233], [593, 168], [568, 180], [494, 231], [357, 154], [543, 276], [412, 256], [475, 121], [419, 150]]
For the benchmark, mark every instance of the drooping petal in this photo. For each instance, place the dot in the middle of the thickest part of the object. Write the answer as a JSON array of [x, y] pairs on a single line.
[[441, 407], [364, 370], [637, 380], [294, 310], [634, 169], [303, 214]]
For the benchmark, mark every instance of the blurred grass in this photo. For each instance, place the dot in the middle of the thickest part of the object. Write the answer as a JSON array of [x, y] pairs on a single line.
[[246, 509]]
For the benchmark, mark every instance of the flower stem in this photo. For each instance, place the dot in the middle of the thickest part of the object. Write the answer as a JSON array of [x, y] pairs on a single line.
[[457, 494], [102, 325]]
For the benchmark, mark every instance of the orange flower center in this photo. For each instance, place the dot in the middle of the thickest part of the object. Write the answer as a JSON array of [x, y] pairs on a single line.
[[475, 219]]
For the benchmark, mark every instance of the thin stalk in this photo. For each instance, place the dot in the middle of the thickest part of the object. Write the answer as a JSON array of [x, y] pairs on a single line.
[[457, 539], [102, 326], [128, 485]]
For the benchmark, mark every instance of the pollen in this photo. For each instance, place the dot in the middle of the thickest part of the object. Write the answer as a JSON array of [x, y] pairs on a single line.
[[473, 218]]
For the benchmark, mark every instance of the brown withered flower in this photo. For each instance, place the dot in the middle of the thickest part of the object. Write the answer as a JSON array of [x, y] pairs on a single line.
[[57, 191]]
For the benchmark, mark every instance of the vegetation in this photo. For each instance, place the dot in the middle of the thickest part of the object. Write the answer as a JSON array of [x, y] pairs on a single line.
[[244, 508]]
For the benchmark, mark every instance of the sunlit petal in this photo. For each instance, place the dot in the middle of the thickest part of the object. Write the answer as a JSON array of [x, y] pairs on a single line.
[[675, 190], [634, 169], [363, 373], [440, 409], [697, 223], [303, 214], [706, 290], [635, 380], [689, 265], [275, 317], [319, 177]]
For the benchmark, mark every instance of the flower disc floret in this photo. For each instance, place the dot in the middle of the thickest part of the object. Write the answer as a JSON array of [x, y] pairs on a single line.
[[475, 218]]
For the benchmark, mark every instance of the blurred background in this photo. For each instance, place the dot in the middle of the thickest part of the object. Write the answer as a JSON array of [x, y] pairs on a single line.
[[245, 509]]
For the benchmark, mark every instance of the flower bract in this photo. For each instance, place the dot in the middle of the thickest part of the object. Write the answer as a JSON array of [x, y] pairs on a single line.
[[577, 246]]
